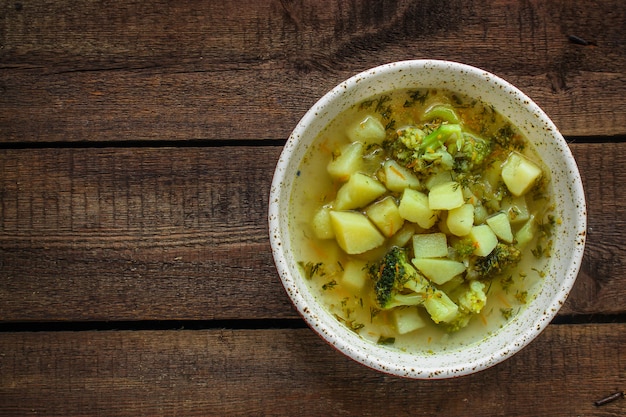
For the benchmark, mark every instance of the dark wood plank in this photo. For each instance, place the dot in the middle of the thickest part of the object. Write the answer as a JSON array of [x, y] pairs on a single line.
[[293, 372], [124, 70], [181, 233]]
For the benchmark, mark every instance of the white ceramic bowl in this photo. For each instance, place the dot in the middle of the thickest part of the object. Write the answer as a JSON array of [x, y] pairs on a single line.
[[569, 241]]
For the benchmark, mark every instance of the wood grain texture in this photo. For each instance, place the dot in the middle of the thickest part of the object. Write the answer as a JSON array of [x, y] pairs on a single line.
[[216, 372], [131, 70], [175, 233]]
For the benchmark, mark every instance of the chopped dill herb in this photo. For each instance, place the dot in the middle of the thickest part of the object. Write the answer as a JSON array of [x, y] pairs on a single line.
[[507, 313], [373, 313], [312, 269], [366, 104], [522, 296], [380, 104], [416, 96], [542, 274], [350, 324], [382, 340], [329, 285], [507, 138], [355, 327], [506, 282]]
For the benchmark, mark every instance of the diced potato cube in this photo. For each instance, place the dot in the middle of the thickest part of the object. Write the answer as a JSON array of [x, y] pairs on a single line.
[[347, 163], [526, 233], [321, 225], [430, 245], [386, 216], [460, 220], [483, 239], [407, 319], [354, 232], [480, 214], [517, 209], [501, 226], [446, 196], [403, 236], [439, 271], [519, 173], [441, 308], [442, 223], [440, 178], [359, 191], [369, 130], [397, 177], [354, 274], [492, 175], [414, 208]]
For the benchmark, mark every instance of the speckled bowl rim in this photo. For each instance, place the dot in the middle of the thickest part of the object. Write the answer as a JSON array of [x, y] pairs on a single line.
[[569, 242]]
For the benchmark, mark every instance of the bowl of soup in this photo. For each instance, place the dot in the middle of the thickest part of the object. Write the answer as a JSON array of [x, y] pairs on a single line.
[[427, 219]]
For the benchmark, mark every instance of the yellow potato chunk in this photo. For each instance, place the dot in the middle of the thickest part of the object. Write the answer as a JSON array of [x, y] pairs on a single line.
[[439, 271], [369, 130], [483, 239], [517, 209], [354, 274], [519, 173], [354, 232], [430, 245], [446, 196], [349, 161], [526, 233], [460, 220], [501, 226], [397, 177], [414, 208], [386, 216], [407, 319], [321, 225], [359, 191]]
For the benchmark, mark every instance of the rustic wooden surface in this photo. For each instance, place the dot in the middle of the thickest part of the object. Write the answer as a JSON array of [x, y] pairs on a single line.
[[137, 145]]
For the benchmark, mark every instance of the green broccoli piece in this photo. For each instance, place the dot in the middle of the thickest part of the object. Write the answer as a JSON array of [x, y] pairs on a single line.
[[421, 151], [397, 282], [445, 147], [503, 257], [471, 152], [471, 301]]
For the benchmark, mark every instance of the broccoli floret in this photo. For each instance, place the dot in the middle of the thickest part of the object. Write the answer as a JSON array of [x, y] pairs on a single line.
[[471, 152], [397, 282], [474, 298], [500, 259], [424, 152], [471, 299], [445, 147]]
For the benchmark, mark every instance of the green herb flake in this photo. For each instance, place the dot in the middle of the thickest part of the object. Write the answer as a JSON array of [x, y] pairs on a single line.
[[312, 269], [329, 285], [507, 313], [386, 341]]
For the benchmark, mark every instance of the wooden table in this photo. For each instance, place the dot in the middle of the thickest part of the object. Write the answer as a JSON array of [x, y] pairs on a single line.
[[137, 145]]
